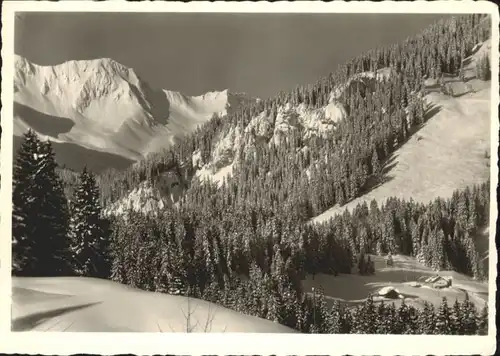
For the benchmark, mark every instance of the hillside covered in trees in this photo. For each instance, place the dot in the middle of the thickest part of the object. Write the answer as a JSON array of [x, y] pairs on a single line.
[[246, 242]]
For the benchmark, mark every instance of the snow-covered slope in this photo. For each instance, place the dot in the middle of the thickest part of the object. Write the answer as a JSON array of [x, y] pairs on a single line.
[[450, 152], [79, 304], [104, 106]]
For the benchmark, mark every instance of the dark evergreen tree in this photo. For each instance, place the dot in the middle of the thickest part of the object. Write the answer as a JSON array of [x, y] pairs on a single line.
[[456, 319], [24, 214], [483, 69], [468, 318], [368, 316], [375, 163], [336, 322], [482, 322], [40, 212], [427, 320], [382, 326], [89, 230], [443, 319]]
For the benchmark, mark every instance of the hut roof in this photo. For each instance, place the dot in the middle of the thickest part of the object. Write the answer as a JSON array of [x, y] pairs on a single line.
[[389, 292]]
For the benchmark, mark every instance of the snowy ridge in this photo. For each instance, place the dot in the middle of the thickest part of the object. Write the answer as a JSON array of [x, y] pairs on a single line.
[[110, 108], [74, 87]]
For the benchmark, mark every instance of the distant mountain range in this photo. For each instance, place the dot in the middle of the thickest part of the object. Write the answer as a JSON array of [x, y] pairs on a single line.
[[100, 113]]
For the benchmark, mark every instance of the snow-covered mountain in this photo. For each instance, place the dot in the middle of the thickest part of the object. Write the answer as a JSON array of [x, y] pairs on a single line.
[[103, 106]]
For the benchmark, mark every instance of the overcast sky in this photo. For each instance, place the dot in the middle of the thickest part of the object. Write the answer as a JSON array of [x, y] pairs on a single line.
[[260, 54]]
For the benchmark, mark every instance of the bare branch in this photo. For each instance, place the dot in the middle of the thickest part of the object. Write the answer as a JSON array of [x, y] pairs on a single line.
[[70, 325], [194, 309], [190, 327], [195, 325], [210, 319], [158, 324], [53, 325], [184, 314]]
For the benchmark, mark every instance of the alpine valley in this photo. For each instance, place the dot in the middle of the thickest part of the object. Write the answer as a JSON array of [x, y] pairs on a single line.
[[357, 204]]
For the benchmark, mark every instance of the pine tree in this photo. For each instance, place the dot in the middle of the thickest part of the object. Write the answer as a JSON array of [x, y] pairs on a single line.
[[375, 162], [414, 314], [275, 311], [89, 230], [403, 318], [336, 318], [382, 316], [483, 69], [118, 245], [370, 266], [40, 212], [427, 320], [392, 319], [24, 207], [301, 315], [468, 317], [361, 263], [482, 322], [320, 325], [357, 320], [369, 316], [443, 319], [456, 319]]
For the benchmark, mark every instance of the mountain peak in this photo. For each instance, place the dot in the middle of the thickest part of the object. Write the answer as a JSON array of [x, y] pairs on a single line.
[[76, 69], [117, 111]]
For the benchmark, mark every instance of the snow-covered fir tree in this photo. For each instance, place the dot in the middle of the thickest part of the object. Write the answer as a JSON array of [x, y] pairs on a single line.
[[369, 316], [468, 317], [23, 213], [427, 320], [89, 230], [456, 318], [40, 212], [482, 321], [443, 319]]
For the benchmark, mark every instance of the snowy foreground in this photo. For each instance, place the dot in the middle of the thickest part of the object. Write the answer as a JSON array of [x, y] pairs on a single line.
[[79, 304]]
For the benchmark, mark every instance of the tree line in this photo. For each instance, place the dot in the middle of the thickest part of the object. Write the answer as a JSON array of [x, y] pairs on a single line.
[[313, 315]]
